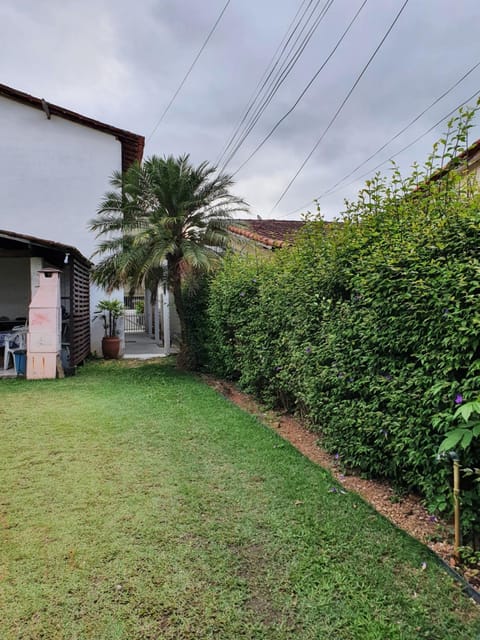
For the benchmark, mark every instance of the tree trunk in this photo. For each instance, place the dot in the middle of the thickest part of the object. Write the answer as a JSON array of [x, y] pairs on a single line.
[[175, 278]]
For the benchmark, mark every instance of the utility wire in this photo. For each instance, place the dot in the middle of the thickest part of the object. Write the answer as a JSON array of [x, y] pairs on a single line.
[[417, 139], [397, 135], [277, 68], [165, 111], [312, 80], [274, 61], [281, 75], [333, 189], [337, 113], [278, 81]]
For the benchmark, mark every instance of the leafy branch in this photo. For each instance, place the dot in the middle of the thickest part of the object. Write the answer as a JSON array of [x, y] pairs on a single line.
[[463, 436]]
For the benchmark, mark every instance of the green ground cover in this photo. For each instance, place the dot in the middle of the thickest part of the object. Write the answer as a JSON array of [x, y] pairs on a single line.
[[137, 503]]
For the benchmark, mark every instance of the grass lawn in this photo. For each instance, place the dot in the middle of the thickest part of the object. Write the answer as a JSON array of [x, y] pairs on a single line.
[[136, 503]]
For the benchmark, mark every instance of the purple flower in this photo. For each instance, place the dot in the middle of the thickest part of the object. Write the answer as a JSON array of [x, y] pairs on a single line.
[[458, 399], [336, 456], [432, 518], [278, 368], [242, 294], [308, 350]]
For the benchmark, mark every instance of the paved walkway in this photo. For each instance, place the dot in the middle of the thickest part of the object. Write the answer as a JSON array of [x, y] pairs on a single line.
[[8, 373], [142, 347]]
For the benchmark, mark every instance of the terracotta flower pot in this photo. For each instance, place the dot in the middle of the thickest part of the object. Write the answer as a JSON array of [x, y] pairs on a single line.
[[110, 347]]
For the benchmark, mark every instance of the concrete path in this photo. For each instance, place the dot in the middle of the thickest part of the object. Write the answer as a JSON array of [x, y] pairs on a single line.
[[8, 373], [142, 347]]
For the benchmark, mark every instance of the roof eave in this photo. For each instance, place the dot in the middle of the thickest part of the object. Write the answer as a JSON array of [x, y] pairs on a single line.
[[133, 144], [47, 244]]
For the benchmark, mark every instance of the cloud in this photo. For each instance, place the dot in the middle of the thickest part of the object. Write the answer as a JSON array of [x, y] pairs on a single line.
[[121, 62]]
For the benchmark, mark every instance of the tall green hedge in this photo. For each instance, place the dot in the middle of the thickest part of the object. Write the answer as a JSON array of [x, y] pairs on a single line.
[[368, 327]]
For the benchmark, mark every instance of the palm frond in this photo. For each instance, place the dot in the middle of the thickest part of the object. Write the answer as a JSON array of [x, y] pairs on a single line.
[[162, 211]]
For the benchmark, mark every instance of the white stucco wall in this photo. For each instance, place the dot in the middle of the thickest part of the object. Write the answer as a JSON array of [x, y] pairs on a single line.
[[53, 174]]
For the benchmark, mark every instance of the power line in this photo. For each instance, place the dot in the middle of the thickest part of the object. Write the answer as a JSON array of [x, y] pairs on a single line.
[[278, 68], [180, 86], [278, 81], [397, 135], [281, 75], [340, 108], [397, 153], [331, 191], [266, 76], [312, 80]]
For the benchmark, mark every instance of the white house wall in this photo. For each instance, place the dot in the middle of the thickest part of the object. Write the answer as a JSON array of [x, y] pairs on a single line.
[[53, 174]]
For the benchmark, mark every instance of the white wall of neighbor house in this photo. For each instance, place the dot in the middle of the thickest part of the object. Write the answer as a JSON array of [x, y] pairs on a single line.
[[14, 287], [53, 174]]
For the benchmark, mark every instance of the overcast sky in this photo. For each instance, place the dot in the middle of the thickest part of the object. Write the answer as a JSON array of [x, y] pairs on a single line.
[[121, 62]]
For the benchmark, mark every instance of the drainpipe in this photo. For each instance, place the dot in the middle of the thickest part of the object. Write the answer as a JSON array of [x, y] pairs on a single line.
[[456, 505]]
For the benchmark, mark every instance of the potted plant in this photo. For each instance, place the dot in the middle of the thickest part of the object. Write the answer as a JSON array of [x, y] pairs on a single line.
[[110, 311]]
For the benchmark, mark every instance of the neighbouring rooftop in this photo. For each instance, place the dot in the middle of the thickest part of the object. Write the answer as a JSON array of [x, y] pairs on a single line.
[[272, 233]]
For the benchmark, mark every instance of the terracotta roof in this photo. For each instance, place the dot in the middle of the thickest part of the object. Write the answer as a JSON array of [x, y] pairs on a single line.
[[21, 238], [469, 153], [132, 143], [272, 233]]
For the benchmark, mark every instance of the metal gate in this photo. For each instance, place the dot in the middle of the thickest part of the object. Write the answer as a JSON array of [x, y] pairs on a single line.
[[134, 315]]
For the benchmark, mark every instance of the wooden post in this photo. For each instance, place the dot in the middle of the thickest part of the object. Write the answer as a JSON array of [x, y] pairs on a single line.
[[456, 506]]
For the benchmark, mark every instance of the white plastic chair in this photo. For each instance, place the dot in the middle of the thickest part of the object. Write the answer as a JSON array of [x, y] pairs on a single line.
[[14, 342]]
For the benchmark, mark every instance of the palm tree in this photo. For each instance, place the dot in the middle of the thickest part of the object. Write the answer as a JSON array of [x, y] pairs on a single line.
[[163, 213]]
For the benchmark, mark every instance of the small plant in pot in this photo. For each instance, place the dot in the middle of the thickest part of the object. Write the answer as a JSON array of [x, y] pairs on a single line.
[[110, 311]]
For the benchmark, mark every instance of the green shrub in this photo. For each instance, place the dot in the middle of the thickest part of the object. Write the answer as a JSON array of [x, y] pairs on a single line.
[[195, 294], [369, 328], [233, 298]]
